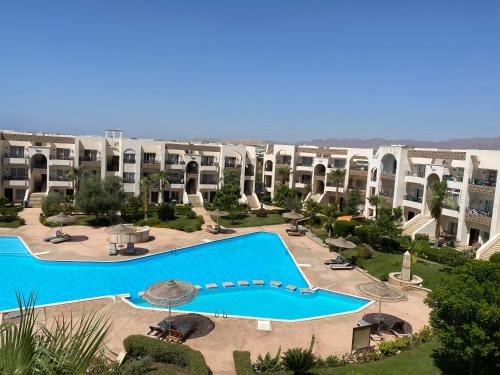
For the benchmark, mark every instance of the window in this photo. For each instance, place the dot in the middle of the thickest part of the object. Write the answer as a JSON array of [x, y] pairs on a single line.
[[18, 173], [339, 163], [129, 158], [172, 159], [19, 194], [207, 160], [90, 155], [149, 157], [128, 177], [62, 153], [16, 152]]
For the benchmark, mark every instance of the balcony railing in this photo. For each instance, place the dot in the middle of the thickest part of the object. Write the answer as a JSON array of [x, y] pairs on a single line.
[[354, 167], [59, 178], [413, 198], [60, 157], [386, 194], [479, 182], [476, 211], [15, 178], [302, 164], [416, 173], [232, 165], [175, 180], [453, 178], [451, 204], [175, 162]]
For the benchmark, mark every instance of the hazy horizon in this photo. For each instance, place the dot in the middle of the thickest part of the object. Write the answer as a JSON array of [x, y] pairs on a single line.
[[281, 70]]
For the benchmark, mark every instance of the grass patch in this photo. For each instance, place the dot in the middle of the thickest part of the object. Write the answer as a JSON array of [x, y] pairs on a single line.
[[11, 224], [91, 221], [383, 263], [180, 222], [243, 220], [417, 361]]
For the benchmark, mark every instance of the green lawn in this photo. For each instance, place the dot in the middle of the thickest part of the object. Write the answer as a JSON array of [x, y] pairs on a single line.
[[91, 221], [417, 361], [11, 224], [384, 263], [250, 220], [183, 223]]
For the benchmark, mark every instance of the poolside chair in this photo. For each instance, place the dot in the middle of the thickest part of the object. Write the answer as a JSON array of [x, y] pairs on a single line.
[[398, 329], [63, 238], [113, 250], [213, 229], [180, 332], [337, 260], [50, 238], [342, 266], [130, 248]]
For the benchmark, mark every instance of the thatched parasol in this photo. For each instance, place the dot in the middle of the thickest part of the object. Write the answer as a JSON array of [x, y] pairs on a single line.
[[61, 219], [294, 216], [382, 292], [218, 213], [341, 243], [121, 229], [170, 293]]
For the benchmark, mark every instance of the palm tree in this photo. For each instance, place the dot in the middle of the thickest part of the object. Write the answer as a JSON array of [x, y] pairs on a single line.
[[146, 183], [338, 178], [293, 203], [75, 175], [376, 201], [436, 202], [284, 172], [161, 177], [67, 347]]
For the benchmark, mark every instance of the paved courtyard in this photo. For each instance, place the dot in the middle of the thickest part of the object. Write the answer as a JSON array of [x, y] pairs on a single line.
[[333, 335]]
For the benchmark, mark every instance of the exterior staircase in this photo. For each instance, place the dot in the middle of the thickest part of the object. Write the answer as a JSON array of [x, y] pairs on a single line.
[[316, 197], [252, 201], [489, 248], [411, 226], [36, 199], [195, 200]]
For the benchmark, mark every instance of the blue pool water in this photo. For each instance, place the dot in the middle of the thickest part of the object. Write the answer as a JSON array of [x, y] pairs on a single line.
[[249, 257]]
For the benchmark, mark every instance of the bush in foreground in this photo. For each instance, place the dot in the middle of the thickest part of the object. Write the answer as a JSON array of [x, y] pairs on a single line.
[[242, 363], [138, 346]]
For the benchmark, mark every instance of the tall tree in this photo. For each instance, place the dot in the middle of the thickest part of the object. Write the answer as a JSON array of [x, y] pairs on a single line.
[[75, 175], [465, 312], [146, 184], [338, 178], [100, 197], [354, 202], [284, 173], [228, 196], [376, 201], [436, 202], [292, 203]]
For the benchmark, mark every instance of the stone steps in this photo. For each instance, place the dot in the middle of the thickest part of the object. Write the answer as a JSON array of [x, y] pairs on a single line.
[[195, 200], [36, 199], [418, 223]]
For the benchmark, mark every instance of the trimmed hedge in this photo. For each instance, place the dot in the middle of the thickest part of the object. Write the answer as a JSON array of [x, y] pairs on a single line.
[[242, 363], [495, 258], [159, 351], [445, 255], [343, 228]]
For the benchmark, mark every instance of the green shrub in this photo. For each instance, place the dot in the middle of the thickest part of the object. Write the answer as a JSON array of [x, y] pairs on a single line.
[[495, 258], [242, 363], [52, 204], [134, 208], [444, 255], [182, 209], [365, 251], [138, 346], [334, 361], [421, 236], [151, 222], [298, 360], [261, 212], [191, 214], [266, 198], [344, 228], [393, 347], [136, 367], [268, 362], [166, 211]]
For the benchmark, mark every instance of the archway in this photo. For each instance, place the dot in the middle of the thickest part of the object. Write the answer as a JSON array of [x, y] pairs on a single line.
[[191, 186], [373, 174], [192, 167], [38, 179], [389, 164], [268, 166], [432, 179], [319, 170], [319, 187], [38, 161]]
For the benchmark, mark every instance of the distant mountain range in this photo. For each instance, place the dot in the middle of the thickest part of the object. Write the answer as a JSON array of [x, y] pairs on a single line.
[[478, 143]]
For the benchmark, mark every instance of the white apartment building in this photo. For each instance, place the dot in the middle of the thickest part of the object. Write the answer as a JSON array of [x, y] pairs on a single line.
[[35, 164], [402, 175]]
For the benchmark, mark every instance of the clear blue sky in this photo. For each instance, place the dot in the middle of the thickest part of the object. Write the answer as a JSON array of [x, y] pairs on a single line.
[[282, 70]]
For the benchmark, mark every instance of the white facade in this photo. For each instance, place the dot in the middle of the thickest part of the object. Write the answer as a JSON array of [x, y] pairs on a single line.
[[40, 163]]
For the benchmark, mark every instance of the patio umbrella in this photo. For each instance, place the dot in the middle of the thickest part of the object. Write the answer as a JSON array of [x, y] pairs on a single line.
[[61, 219], [218, 213], [341, 243], [294, 216], [170, 293], [120, 229], [381, 292]]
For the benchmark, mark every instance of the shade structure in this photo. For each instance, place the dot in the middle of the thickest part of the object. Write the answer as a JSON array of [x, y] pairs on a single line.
[[61, 219], [341, 243], [381, 292], [119, 230], [293, 215], [218, 213], [170, 293]]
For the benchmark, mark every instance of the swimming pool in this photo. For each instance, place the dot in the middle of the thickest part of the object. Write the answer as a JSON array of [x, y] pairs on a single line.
[[249, 257]]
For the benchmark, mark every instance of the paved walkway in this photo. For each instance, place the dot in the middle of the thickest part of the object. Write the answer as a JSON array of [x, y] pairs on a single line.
[[333, 335]]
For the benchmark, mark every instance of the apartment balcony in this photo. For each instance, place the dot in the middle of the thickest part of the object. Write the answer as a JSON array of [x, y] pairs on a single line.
[[209, 167], [61, 160], [60, 181], [388, 176], [150, 165], [479, 186], [304, 167], [235, 167], [481, 217], [208, 185], [11, 159], [15, 181], [412, 198], [177, 184], [90, 163], [415, 176]]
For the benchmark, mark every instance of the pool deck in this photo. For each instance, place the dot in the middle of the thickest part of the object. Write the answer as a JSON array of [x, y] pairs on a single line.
[[333, 334]]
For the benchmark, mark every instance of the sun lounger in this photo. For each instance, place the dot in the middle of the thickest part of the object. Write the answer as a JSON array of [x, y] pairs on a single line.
[[180, 332], [50, 238], [63, 238], [398, 329], [213, 229], [113, 250], [295, 233], [338, 260], [130, 248], [343, 266]]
